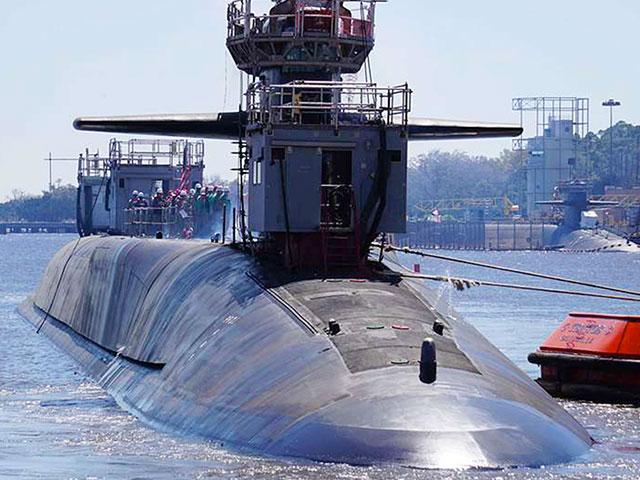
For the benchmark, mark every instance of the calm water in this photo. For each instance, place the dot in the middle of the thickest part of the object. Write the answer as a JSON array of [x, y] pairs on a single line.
[[56, 423]]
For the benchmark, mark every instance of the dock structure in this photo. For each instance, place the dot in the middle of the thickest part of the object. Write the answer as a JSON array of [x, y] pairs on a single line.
[[37, 227], [504, 235], [551, 154]]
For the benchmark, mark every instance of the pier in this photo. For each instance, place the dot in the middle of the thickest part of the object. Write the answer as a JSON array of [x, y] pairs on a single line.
[[495, 235], [37, 227]]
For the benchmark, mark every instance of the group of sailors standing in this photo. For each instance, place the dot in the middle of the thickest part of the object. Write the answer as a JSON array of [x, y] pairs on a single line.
[[198, 212]]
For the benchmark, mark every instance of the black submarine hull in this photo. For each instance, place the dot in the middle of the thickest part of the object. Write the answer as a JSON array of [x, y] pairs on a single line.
[[206, 341]]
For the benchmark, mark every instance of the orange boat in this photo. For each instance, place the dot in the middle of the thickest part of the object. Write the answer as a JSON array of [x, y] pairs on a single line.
[[592, 356]]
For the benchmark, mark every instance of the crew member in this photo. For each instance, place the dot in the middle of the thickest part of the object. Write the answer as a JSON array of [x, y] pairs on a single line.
[[133, 199], [142, 201], [157, 204]]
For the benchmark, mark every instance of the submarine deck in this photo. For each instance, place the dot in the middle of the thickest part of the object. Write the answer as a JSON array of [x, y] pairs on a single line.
[[391, 333]]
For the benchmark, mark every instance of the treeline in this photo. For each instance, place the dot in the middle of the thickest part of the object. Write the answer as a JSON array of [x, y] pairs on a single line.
[[58, 205], [442, 175], [603, 166]]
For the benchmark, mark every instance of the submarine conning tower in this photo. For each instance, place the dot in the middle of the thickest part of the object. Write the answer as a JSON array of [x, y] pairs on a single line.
[[324, 160], [575, 200], [327, 159]]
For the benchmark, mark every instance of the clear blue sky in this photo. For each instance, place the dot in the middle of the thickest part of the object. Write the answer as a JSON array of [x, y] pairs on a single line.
[[464, 60]]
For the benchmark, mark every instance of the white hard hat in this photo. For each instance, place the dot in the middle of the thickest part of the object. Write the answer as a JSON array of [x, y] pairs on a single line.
[[140, 195], [159, 190], [192, 191], [198, 185], [135, 193]]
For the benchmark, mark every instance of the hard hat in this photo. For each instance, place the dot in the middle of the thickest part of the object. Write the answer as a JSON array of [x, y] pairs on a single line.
[[135, 193], [159, 190], [140, 195], [198, 186], [183, 193], [192, 191]]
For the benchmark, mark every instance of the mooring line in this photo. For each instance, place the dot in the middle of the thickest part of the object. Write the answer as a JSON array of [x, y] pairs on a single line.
[[507, 269], [465, 283]]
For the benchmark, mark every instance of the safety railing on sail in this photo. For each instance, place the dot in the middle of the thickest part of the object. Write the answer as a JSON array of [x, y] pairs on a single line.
[[305, 22], [328, 103], [148, 221]]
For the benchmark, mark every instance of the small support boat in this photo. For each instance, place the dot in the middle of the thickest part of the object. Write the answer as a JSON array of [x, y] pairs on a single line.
[[592, 356]]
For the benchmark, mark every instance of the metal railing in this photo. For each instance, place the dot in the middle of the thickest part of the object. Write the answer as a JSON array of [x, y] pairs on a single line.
[[156, 152], [177, 221], [93, 166], [148, 221], [171, 153], [304, 22], [328, 103]]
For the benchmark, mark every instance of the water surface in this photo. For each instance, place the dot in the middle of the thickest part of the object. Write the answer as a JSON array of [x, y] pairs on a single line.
[[55, 423]]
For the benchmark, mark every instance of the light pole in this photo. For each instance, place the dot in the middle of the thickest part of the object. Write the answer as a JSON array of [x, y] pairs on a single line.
[[611, 104]]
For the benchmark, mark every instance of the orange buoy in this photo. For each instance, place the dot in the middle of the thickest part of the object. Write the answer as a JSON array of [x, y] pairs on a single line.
[[592, 356]]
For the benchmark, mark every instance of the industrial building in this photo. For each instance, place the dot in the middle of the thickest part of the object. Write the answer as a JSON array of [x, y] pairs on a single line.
[[551, 154]]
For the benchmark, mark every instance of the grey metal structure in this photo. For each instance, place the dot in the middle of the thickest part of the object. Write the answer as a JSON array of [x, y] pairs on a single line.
[[303, 343], [324, 160], [319, 164], [551, 153], [314, 36], [105, 184]]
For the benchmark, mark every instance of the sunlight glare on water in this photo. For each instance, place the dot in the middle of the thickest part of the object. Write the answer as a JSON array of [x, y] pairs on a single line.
[[56, 423]]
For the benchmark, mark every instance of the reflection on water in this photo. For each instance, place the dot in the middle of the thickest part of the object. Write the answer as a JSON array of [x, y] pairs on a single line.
[[56, 423]]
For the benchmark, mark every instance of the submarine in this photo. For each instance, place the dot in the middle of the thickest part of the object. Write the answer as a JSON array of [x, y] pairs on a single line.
[[297, 339], [572, 236]]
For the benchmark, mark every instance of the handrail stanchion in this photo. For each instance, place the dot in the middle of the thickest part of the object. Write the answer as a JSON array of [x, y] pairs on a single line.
[[224, 223]]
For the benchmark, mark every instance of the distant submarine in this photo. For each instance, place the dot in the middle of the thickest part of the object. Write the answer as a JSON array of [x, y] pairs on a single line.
[[572, 236], [296, 341]]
